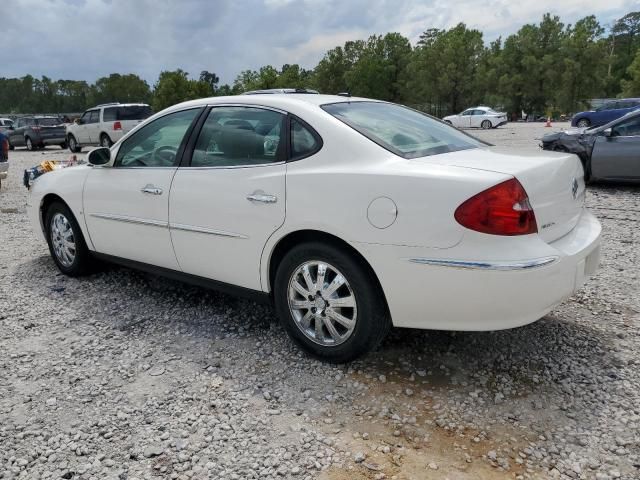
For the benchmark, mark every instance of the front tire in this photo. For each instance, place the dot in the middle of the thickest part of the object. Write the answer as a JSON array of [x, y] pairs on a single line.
[[29, 144], [73, 144], [66, 242], [486, 124], [583, 123], [329, 303]]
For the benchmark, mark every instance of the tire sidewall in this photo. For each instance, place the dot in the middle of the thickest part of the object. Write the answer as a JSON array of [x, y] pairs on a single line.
[[105, 141], [80, 265], [486, 124], [372, 318], [72, 144], [29, 144]]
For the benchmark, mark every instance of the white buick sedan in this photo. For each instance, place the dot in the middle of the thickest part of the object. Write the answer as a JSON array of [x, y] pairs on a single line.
[[350, 215]]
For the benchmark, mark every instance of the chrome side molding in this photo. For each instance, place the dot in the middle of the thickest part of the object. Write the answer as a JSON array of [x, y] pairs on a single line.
[[501, 266]]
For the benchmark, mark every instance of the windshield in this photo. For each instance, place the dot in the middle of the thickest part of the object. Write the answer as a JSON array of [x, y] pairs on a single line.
[[405, 132], [48, 122]]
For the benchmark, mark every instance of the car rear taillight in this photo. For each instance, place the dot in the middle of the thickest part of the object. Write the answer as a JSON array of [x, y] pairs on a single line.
[[503, 209], [5, 150], [35, 128], [117, 126]]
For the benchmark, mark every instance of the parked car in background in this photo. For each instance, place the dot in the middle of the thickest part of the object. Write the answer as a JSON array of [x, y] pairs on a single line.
[[477, 117], [350, 215], [105, 124], [4, 157], [5, 123], [36, 132], [608, 152], [605, 113]]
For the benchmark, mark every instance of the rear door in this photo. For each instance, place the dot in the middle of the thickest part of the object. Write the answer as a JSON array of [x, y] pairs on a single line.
[[228, 200], [618, 156], [477, 116]]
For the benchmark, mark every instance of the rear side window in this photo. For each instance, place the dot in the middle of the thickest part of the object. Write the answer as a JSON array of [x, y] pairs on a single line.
[[130, 112], [303, 141], [401, 130], [109, 114], [240, 136]]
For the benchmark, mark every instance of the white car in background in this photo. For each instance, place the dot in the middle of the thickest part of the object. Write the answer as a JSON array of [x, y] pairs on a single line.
[[477, 117], [105, 124], [350, 215]]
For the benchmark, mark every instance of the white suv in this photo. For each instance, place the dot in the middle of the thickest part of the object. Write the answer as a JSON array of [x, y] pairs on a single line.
[[105, 124]]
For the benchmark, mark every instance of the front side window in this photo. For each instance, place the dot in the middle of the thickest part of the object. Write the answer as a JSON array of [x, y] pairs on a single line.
[[240, 136], [156, 144], [303, 141], [467, 112], [401, 130], [85, 117], [630, 128]]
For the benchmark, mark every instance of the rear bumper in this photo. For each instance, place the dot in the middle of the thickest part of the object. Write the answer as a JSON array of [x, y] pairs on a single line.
[[504, 122], [436, 289]]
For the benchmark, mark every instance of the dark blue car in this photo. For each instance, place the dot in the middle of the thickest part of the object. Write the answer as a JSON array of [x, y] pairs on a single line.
[[605, 113]]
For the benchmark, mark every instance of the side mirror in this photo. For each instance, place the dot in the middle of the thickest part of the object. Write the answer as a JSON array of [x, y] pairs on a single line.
[[607, 132], [99, 156], [78, 121]]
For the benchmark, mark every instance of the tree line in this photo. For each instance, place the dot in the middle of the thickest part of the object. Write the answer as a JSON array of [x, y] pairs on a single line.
[[547, 68]]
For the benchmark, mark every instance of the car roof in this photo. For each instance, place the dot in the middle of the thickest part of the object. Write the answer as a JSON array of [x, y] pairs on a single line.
[[273, 100]]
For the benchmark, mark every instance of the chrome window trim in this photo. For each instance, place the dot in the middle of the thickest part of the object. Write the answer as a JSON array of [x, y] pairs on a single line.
[[495, 266], [227, 167], [248, 105]]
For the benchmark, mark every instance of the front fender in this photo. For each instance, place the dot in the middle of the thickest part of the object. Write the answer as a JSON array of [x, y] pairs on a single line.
[[68, 185]]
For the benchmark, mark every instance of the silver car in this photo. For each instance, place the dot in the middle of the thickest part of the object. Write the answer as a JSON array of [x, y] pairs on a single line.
[[609, 152]]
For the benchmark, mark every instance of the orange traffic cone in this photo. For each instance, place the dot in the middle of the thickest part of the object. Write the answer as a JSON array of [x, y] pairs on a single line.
[[548, 122]]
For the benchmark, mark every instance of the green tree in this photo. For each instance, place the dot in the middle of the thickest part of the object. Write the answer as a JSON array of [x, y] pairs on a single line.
[[175, 87], [631, 87]]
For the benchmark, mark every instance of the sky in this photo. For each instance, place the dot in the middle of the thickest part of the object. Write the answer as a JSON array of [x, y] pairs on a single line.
[[88, 39]]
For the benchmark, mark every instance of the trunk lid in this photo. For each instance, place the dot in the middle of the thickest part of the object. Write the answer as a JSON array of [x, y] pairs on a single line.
[[554, 182]]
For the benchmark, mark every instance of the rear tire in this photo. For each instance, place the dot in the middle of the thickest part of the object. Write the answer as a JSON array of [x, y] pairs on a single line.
[[323, 329], [11, 147], [66, 242], [105, 141], [486, 124], [63, 145]]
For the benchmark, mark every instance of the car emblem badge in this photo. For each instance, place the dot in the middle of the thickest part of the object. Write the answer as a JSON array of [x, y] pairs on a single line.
[[574, 188]]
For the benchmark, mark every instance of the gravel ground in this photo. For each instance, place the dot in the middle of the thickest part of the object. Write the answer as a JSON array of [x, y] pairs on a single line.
[[123, 375]]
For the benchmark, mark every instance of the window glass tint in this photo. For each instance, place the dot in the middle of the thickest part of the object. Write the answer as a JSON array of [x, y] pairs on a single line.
[[109, 114], [94, 116], [156, 144], [467, 112], [405, 132], [303, 142], [85, 117], [479, 112], [236, 136], [627, 129], [133, 112], [29, 121], [49, 122]]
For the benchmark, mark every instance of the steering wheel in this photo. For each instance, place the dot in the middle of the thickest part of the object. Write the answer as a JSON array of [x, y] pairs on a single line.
[[165, 155]]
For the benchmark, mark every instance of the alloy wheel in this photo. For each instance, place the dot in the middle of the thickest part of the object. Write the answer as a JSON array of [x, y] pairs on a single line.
[[63, 240], [322, 303]]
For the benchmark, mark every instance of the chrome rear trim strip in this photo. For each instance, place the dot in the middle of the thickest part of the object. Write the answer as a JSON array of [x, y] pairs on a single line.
[[502, 266], [209, 231], [127, 219]]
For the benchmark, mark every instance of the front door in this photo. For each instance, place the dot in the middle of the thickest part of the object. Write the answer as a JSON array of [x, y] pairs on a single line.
[[616, 156], [126, 204], [93, 127], [230, 198], [464, 120], [16, 136], [80, 130]]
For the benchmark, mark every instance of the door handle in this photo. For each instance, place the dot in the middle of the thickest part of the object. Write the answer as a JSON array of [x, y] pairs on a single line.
[[151, 189], [262, 197]]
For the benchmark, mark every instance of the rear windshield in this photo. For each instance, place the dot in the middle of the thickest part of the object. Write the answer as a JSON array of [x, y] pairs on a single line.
[[401, 130], [48, 122], [133, 112]]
